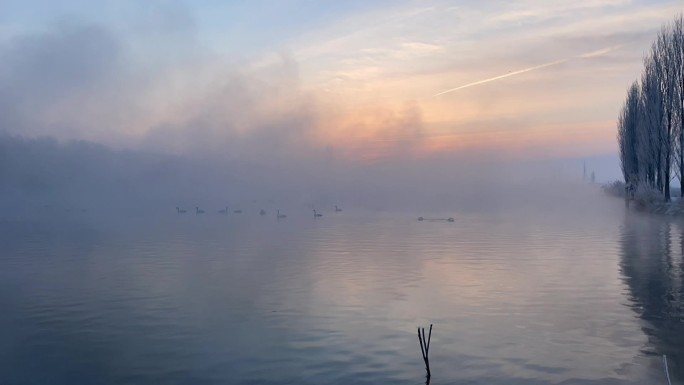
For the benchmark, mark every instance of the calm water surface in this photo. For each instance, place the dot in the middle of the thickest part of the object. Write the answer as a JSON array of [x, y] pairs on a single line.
[[585, 293]]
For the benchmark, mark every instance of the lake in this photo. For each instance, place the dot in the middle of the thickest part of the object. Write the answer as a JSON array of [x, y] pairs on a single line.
[[575, 292]]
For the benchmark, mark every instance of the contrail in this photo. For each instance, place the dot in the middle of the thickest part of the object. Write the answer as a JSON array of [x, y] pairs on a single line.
[[518, 72], [599, 52], [553, 63]]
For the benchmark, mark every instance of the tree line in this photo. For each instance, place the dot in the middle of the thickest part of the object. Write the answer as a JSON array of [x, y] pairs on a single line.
[[651, 121]]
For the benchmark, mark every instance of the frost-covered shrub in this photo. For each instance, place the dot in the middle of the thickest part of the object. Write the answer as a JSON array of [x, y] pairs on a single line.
[[616, 188], [647, 198]]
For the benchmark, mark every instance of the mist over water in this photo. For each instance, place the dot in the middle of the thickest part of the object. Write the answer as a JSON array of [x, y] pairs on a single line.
[[47, 176]]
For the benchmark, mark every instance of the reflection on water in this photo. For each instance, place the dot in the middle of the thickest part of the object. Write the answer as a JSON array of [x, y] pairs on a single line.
[[583, 295], [652, 250]]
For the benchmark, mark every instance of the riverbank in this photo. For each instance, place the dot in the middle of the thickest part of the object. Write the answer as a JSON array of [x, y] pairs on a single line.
[[646, 200]]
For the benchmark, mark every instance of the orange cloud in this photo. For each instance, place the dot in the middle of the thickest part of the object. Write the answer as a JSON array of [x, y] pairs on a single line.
[[540, 141], [373, 132]]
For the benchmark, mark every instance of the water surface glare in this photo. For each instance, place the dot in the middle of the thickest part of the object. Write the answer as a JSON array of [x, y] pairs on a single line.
[[584, 294]]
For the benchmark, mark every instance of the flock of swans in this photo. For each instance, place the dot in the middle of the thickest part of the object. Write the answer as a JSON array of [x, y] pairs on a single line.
[[262, 212], [316, 214]]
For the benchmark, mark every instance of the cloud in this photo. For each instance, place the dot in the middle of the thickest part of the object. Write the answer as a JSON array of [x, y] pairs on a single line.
[[78, 80], [355, 87], [41, 73]]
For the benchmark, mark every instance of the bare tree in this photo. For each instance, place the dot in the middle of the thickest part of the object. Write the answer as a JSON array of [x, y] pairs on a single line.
[[651, 133], [628, 135], [677, 53], [664, 61]]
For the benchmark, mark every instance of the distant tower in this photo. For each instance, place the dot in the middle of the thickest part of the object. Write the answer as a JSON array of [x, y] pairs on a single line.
[[584, 171], [593, 177]]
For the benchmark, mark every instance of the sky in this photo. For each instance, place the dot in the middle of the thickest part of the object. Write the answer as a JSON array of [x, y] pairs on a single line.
[[360, 81]]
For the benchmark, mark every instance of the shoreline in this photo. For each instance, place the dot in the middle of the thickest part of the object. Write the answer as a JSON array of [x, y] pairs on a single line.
[[646, 200]]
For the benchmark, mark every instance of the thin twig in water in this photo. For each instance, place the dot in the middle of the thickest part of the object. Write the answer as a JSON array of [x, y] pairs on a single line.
[[422, 350], [667, 371], [425, 347]]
